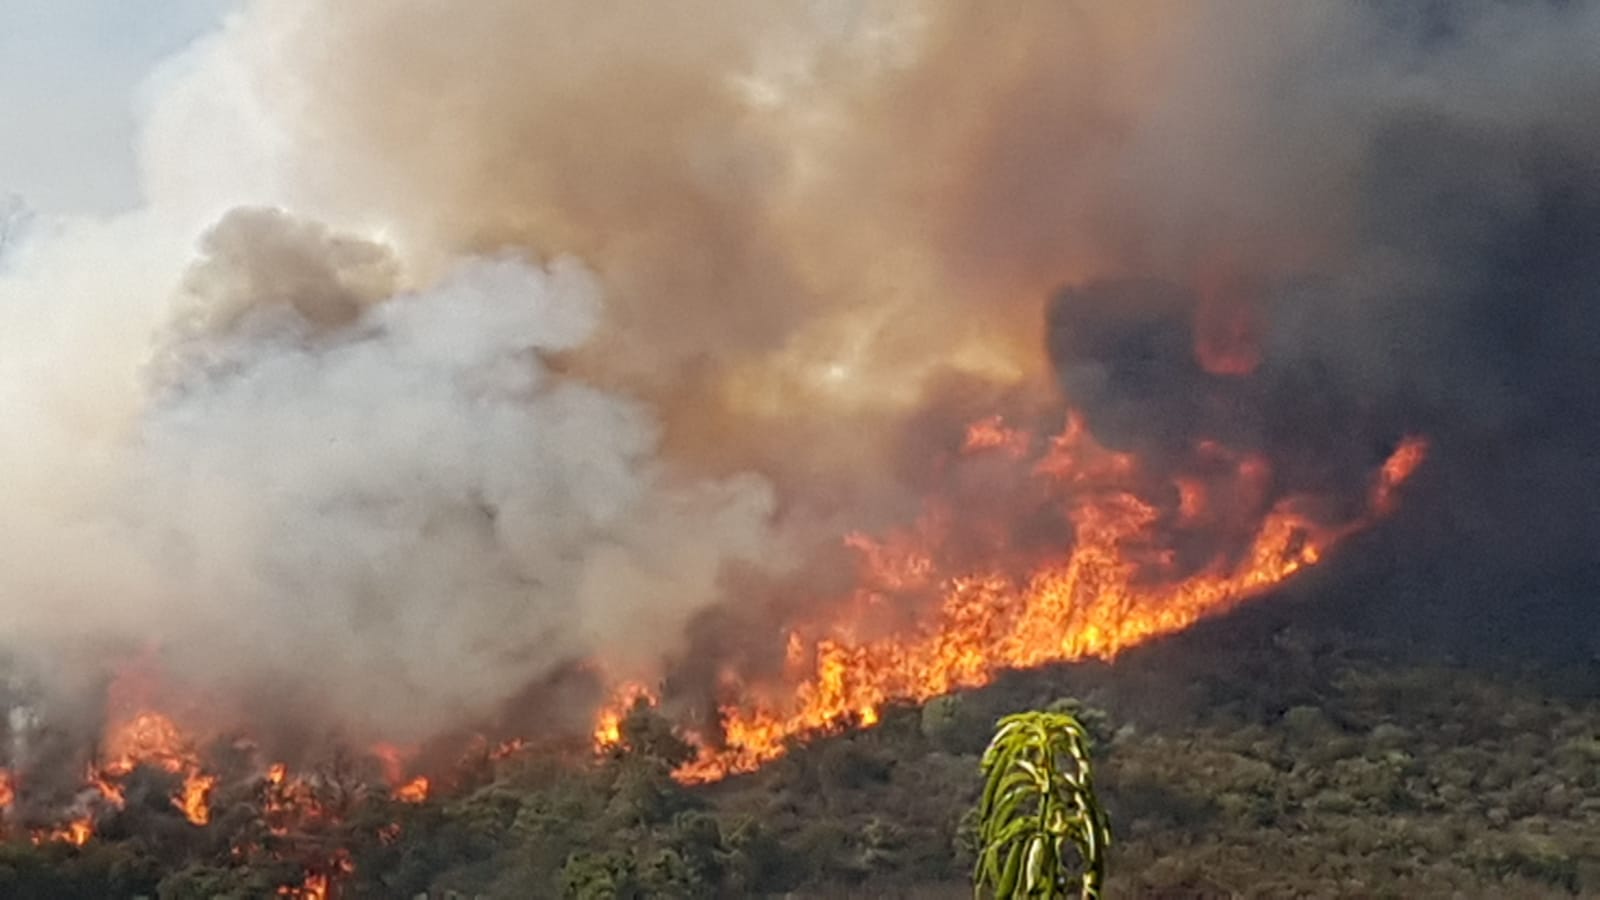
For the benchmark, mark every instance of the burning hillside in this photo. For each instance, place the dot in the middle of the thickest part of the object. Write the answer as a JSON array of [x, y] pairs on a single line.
[[1116, 585], [469, 378], [917, 624]]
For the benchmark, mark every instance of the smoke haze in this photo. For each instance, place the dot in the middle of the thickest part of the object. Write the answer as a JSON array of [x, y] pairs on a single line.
[[456, 345]]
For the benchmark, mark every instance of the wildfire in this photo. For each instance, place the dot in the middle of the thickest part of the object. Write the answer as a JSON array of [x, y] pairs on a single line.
[[1114, 583], [320, 885], [507, 749], [289, 802], [152, 739], [608, 727], [148, 739], [76, 832], [317, 885], [1094, 601], [413, 791], [991, 433], [1396, 469]]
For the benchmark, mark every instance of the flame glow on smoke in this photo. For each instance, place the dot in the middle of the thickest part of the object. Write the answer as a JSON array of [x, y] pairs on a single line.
[[152, 739], [700, 356], [1114, 587], [1094, 601]]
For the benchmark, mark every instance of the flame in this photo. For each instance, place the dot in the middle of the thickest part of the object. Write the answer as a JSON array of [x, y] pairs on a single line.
[[315, 887], [289, 802], [1112, 585], [509, 748], [79, 831], [319, 885], [1396, 470], [1094, 601], [150, 739], [413, 791], [608, 727], [76, 832], [153, 739], [991, 433], [392, 760], [297, 810], [196, 798]]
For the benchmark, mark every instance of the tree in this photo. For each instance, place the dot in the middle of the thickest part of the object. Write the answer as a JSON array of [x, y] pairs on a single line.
[[1041, 828]]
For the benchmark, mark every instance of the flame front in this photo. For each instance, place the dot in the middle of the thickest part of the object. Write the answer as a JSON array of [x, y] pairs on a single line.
[[1115, 581], [1095, 600], [152, 739]]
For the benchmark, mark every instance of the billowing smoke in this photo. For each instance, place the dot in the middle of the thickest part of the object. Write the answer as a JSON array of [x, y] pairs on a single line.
[[386, 496], [537, 329], [782, 192]]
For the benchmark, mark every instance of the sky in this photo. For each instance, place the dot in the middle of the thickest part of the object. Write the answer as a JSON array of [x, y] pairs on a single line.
[[70, 73]]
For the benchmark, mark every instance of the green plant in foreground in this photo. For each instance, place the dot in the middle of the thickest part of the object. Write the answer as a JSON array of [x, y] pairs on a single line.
[[1041, 829]]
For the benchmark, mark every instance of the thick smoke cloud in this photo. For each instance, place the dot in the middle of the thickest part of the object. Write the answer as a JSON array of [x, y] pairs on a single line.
[[413, 500], [1394, 203], [326, 450], [384, 503], [1454, 204]]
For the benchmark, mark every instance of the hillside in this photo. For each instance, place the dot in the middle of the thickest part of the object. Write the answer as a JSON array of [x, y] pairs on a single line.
[[1252, 756]]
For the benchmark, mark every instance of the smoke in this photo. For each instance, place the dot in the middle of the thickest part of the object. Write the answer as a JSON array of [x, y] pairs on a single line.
[[387, 496], [1431, 179], [813, 217], [531, 323]]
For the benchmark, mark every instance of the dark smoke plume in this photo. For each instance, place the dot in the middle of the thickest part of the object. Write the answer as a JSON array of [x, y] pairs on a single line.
[[1453, 295]]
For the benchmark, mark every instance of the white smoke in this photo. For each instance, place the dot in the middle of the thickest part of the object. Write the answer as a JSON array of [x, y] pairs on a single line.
[[399, 504], [277, 464], [417, 508]]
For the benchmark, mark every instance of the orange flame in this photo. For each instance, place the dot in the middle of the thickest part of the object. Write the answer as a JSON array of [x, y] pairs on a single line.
[[1396, 469], [196, 798], [608, 727], [413, 791], [1094, 602], [315, 887], [296, 812], [991, 433], [508, 748], [77, 833], [288, 802], [148, 738], [152, 739]]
